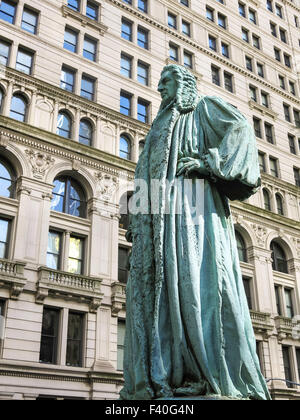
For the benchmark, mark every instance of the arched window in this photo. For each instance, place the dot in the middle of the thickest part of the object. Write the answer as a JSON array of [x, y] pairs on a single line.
[[279, 204], [68, 197], [7, 180], [125, 147], [85, 132], [279, 258], [141, 146], [18, 109], [64, 125], [267, 200], [241, 246], [124, 210]]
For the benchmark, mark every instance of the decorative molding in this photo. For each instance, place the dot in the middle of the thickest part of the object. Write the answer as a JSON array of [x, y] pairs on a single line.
[[260, 233], [40, 162], [118, 298], [262, 109], [12, 276], [84, 20], [107, 185]]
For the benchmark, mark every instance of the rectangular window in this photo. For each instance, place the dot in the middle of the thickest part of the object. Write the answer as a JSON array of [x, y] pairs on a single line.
[[186, 28], [292, 88], [172, 21], [257, 127], [126, 30], [143, 73], [76, 254], [8, 11], [4, 237], [143, 38], [49, 338], [173, 52], [297, 176], [297, 118], [281, 82], [287, 365], [143, 5], [87, 88], [262, 162], [270, 5], [123, 272], [264, 99], [298, 362], [286, 110], [215, 74], [185, 2], [74, 4], [247, 287], [253, 93], [92, 10], [242, 10], [29, 21], [287, 60], [120, 344], [90, 49], [278, 11], [289, 310], [54, 250], [212, 42], [75, 339], [273, 29], [228, 81], [283, 35], [273, 167], [188, 59], [210, 14], [225, 50], [260, 70], [24, 61], [143, 111], [277, 54], [126, 65], [252, 16], [292, 144], [245, 35], [256, 42], [4, 52], [278, 302], [67, 81], [70, 40], [222, 20], [125, 103], [249, 63]]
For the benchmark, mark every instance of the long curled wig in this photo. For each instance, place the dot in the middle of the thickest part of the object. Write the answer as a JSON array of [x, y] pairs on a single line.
[[187, 94]]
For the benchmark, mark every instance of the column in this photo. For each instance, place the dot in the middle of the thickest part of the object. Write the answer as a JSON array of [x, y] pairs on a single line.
[[75, 131], [32, 109], [66, 247], [62, 344], [7, 100]]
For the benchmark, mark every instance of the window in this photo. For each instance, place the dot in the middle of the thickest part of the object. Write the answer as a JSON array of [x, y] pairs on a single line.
[[54, 250], [212, 41], [278, 301], [64, 125], [279, 204], [173, 51], [225, 49], [260, 70], [249, 63], [141, 146], [296, 118], [143, 38], [75, 339], [297, 176], [125, 147], [283, 35], [242, 10], [287, 114], [186, 28], [279, 259], [273, 29], [267, 201], [74, 4], [185, 2], [4, 52], [252, 16], [70, 40], [75, 260], [241, 246], [222, 20], [264, 99], [247, 288], [4, 236], [1, 99], [270, 5], [92, 10], [68, 197], [245, 35], [18, 109], [126, 65], [289, 310], [256, 42], [125, 103], [67, 81], [273, 167], [143, 73], [257, 127], [7, 180], [143, 5], [188, 59], [281, 82], [287, 366], [120, 344], [269, 133], [172, 21], [215, 72], [8, 10], [87, 88], [124, 208], [123, 257], [277, 54], [210, 14], [292, 88], [49, 338], [298, 361], [24, 61], [85, 132], [278, 11], [29, 21], [228, 81], [126, 30], [262, 162], [143, 111], [287, 60], [292, 144], [90, 48]]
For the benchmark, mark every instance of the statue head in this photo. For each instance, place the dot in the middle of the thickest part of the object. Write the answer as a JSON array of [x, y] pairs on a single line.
[[177, 83]]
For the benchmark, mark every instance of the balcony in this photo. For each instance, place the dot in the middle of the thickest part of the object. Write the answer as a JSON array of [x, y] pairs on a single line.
[[261, 322], [12, 276], [288, 327], [69, 286]]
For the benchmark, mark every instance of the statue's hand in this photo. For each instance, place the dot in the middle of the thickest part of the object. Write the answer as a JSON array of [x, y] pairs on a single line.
[[187, 165]]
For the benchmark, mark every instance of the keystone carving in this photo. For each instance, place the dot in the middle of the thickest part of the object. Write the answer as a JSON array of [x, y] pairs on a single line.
[[107, 185], [40, 162]]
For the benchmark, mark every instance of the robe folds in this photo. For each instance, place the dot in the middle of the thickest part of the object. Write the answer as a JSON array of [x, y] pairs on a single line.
[[188, 327]]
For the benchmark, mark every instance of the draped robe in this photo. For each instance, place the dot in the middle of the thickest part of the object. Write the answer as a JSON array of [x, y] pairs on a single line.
[[188, 327]]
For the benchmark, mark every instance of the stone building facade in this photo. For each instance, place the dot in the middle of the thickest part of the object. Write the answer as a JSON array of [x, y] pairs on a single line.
[[78, 94]]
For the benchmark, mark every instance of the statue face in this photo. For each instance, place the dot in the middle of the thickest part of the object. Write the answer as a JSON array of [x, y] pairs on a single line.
[[167, 86]]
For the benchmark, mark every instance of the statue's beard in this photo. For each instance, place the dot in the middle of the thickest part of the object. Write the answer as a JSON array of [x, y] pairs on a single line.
[[167, 101]]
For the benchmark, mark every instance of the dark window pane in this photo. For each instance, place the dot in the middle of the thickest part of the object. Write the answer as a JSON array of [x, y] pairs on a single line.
[[242, 251], [74, 4], [68, 197], [279, 258], [48, 349], [87, 88], [75, 340], [85, 132], [123, 264], [18, 108], [7, 11]]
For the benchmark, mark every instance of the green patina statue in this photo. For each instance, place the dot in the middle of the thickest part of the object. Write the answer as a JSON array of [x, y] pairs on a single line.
[[188, 327]]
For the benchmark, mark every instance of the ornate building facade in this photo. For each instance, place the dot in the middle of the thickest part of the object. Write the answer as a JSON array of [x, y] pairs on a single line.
[[77, 94]]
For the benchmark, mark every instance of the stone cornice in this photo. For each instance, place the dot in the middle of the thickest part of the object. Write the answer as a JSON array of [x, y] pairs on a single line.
[[84, 20]]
